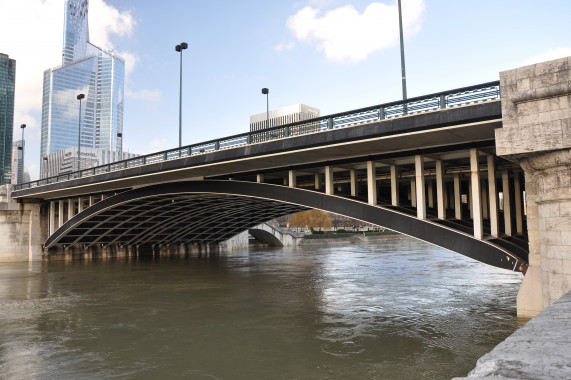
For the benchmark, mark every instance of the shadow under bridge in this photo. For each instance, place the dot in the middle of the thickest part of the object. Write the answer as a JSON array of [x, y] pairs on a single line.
[[211, 211]]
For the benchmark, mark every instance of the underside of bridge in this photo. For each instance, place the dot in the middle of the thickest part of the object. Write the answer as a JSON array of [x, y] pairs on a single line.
[[211, 211]]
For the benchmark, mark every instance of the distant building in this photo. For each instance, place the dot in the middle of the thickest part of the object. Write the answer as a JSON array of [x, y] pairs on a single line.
[[65, 161], [18, 175], [7, 84], [282, 116], [89, 70]]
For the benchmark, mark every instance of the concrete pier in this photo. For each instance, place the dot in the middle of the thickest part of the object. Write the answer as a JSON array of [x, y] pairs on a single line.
[[23, 228], [536, 134]]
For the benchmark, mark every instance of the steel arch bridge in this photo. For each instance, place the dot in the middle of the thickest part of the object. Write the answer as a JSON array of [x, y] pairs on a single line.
[[211, 211]]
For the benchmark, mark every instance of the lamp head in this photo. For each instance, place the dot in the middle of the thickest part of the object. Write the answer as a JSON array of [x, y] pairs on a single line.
[[265, 91], [23, 126], [80, 96]]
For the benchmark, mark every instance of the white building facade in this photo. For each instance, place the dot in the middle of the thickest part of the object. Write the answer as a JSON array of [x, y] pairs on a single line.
[[282, 116]]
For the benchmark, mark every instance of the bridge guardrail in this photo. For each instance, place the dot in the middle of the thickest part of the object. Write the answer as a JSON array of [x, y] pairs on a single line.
[[442, 100]]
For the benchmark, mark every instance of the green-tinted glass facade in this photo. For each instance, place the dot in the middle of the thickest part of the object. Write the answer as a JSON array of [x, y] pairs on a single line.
[[7, 83]]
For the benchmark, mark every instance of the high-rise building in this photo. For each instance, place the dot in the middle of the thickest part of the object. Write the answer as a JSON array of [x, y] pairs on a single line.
[[86, 69], [7, 84]]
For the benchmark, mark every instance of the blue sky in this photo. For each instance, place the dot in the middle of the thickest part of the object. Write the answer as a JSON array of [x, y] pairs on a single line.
[[330, 54]]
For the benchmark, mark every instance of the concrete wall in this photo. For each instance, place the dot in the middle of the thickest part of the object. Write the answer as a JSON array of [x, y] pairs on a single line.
[[23, 230], [536, 133]]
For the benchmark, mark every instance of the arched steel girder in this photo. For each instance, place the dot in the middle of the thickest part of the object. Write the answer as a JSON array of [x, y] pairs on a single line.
[[229, 207]]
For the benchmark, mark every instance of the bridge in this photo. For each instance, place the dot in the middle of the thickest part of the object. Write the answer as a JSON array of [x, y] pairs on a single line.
[[430, 167]]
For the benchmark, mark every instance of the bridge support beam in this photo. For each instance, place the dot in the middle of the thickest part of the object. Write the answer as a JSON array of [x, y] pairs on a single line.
[[354, 185], [507, 203], [372, 182], [517, 204], [536, 117], [329, 185], [440, 196], [292, 180], [318, 182], [394, 186], [420, 187], [493, 198], [457, 197], [476, 194]]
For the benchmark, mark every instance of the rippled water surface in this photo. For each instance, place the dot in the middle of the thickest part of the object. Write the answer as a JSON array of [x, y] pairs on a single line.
[[396, 309]]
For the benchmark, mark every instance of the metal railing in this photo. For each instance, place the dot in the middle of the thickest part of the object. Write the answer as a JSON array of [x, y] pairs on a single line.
[[442, 100]]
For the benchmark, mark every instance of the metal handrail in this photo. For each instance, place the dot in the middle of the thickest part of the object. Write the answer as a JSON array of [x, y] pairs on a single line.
[[441, 100]]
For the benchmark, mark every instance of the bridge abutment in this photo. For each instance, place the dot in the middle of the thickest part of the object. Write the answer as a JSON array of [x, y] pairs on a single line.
[[536, 133], [23, 228]]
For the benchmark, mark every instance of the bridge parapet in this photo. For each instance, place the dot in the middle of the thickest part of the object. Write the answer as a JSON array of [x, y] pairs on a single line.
[[536, 133]]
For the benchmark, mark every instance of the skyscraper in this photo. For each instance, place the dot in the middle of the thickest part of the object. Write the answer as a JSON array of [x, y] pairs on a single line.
[[86, 69], [7, 83]]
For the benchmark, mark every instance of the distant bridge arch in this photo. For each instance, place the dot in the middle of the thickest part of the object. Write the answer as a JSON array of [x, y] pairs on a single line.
[[211, 211]]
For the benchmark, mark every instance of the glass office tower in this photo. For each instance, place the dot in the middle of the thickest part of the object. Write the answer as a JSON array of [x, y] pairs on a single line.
[[7, 83], [89, 70]]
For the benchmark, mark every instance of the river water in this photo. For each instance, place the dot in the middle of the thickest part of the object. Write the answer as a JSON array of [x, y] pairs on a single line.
[[387, 309]]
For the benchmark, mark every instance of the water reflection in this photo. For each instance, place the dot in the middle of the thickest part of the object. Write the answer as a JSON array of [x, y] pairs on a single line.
[[389, 309]]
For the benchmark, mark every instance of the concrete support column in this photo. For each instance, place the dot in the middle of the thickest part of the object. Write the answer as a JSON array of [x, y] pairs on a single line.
[[413, 192], [394, 185], [79, 204], [457, 197], [493, 191], [517, 201], [70, 208], [420, 184], [372, 182], [329, 184], [292, 180], [476, 194], [484, 202], [354, 187], [60, 214], [440, 193], [52, 221], [318, 182], [430, 194], [470, 208], [259, 178], [507, 203], [90, 200]]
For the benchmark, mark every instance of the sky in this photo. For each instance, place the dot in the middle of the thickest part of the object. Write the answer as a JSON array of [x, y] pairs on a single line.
[[335, 55]]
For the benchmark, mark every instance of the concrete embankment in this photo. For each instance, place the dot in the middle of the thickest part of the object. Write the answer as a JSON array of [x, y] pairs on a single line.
[[539, 350]]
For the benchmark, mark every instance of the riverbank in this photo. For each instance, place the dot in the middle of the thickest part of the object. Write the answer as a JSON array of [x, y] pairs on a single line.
[[351, 239], [539, 350]]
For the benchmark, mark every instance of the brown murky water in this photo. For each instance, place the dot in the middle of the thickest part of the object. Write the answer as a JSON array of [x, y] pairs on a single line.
[[379, 310]]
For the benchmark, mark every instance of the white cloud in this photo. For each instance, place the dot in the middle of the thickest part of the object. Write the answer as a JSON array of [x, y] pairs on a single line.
[[147, 95], [346, 36], [548, 56], [284, 46], [35, 28], [158, 144]]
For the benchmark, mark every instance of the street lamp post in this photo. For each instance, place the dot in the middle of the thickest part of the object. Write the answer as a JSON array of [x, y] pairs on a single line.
[[265, 91], [402, 54], [120, 136], [46, 168], [79, 97], [23, 126], [180, 48]]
